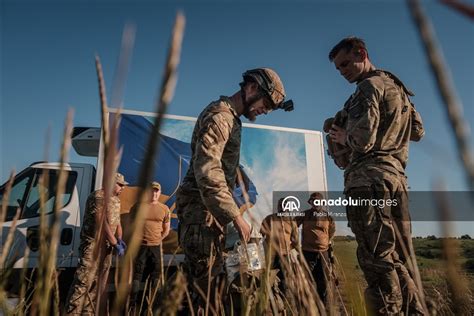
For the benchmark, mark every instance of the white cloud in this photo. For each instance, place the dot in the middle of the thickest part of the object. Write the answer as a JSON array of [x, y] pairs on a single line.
[[287, 173], [180, 130]]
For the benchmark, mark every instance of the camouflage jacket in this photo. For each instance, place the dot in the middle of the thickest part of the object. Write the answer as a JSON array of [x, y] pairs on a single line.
[[212, 172], [381, 122], [94, 204]]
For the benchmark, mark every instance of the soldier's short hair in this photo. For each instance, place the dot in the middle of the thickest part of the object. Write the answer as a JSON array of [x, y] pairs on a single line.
[[316, 195], [347, 44]]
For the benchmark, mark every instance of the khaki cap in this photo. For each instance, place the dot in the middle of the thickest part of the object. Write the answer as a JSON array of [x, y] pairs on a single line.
[[120, 179], [155, 185]]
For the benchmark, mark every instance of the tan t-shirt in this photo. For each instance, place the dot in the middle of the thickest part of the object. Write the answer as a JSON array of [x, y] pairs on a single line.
[[318, 230], [156, 215]]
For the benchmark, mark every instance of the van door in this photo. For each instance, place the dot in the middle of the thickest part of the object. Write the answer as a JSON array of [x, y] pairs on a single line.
[[25, 197]]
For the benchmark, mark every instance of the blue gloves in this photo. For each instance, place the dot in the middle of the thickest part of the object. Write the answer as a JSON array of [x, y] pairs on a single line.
[[122, 243], [121, 247]]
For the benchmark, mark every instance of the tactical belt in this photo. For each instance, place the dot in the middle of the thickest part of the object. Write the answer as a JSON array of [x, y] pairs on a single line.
[[371, 156]]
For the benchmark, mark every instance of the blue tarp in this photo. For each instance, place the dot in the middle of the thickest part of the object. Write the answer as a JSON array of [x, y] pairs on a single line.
[[171, 164]]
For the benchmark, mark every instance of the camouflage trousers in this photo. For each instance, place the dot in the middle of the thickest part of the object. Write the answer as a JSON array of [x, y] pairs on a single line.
[[147, 264], [82, 295], [383, 233], [204, 265]]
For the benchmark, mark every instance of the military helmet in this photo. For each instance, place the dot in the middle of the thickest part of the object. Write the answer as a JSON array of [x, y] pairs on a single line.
[[271, 85]]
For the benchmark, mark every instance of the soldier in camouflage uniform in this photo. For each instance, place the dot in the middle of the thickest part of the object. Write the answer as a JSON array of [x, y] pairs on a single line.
[[204, 201], [380, 122], [83, 291]]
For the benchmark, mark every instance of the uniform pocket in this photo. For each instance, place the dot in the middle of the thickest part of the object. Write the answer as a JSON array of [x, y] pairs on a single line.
[[190, 238], [356, 109], [209, 241]]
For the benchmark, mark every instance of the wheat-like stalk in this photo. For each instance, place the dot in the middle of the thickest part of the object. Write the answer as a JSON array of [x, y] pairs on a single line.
[[453, 106], [459, 289], [166, 93]]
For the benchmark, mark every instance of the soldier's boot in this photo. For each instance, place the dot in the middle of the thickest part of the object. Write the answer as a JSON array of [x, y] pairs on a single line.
[[76, 300], [379, 303], [71, 311], [411, 301], [383, 294], [135, 298], [404, 249]]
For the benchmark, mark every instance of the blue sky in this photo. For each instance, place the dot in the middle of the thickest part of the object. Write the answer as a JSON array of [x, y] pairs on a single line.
[[47, 66]]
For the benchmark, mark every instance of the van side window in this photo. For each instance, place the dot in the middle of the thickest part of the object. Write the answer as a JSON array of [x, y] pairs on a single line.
[[47, 186], [18, 193]]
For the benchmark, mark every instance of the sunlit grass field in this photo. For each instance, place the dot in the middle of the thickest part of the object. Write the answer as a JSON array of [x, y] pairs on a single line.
[[432, 267]]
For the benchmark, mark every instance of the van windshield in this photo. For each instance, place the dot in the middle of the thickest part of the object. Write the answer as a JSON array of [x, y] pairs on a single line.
[[17, 194], [30, 185]]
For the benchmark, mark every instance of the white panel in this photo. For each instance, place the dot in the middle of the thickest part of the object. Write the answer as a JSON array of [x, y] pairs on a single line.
[[315, 162]]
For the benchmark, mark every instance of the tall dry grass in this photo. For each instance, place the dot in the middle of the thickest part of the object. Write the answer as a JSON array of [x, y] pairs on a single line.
[[446, 89], [166, 92], [460, 294], [49, 232], [6, 269], [260, 293]]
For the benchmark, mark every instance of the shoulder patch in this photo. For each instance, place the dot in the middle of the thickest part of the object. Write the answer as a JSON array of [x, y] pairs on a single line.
[[98, 194], [371, 88], [216, 128]]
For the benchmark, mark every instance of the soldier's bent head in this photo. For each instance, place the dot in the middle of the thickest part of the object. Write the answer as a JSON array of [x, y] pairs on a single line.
[[348, 44]]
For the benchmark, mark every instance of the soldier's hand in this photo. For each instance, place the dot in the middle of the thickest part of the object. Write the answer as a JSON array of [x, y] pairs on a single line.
[[122, 243], [338, 134], [120, 249], [243, 228]]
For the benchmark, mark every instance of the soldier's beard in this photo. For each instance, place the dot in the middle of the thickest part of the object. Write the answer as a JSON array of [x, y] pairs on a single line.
[[249, 114]]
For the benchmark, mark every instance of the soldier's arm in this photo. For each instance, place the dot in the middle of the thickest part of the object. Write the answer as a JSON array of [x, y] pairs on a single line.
[[265, 228], [119, 232], [98, 209], [109, 234], [133, 211], [332, 227], [417, 130], [166, 224], [364, 117], [210, 177]]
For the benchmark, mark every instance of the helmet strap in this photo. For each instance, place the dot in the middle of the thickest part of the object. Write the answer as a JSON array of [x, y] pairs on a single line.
[[248, 103], [255, 98]]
